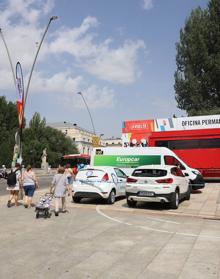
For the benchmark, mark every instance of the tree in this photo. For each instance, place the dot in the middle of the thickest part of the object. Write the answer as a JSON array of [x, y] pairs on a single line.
[[197, 82], [9, 126], [38, 137]]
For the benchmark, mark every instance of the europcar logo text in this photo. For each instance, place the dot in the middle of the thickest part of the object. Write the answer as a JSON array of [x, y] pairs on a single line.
[[127, 159]]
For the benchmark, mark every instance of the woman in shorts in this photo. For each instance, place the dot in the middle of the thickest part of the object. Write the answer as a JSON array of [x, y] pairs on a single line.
[[30, 183]]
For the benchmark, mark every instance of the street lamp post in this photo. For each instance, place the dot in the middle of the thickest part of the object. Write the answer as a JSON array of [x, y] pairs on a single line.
[[81, 94], [29, 80], [35, 58]]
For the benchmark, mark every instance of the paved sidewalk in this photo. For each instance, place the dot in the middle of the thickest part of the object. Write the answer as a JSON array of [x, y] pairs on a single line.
[[103, 241], [204, 203]]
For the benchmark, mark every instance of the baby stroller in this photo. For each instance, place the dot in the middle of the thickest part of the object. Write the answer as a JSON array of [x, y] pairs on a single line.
[[43, 206]]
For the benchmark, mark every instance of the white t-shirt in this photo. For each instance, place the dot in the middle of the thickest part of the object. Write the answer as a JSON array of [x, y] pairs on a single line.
[[29, 178]]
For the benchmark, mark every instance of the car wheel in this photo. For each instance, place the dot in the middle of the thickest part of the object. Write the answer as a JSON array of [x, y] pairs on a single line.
[[187, 197], [174, 203], [111, 197], [76, 199], [131, 203]]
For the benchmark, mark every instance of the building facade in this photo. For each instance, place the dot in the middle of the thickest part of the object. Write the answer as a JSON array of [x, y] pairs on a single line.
[[112, 142], [82, 138]]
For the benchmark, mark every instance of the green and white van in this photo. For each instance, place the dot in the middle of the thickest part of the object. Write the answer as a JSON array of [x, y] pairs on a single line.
[[129, 158]]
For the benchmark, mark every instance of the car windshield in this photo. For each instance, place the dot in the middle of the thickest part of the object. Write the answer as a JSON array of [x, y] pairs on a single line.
[[149, 173]]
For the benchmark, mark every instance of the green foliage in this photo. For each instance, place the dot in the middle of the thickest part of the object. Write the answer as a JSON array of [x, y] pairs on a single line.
[[197, 82], [38, 137], [35, 138], [8, 124]]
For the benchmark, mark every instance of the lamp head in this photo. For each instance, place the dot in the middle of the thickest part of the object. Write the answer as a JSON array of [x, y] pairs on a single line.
[[53, 18]]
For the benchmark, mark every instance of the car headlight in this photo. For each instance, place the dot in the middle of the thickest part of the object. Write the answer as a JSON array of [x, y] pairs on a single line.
[[196, 172]]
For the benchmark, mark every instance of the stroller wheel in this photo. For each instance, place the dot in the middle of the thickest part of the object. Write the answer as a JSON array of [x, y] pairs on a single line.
[[47, 214]]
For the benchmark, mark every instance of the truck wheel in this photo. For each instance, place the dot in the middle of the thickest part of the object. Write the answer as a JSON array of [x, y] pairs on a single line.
[[111, 197], [131, 203], [76, 199], [187, 197], [174, 202]]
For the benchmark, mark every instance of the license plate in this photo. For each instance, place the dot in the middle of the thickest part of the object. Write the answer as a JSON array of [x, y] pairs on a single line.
[[146, 194], [142, 181], [87, 182]]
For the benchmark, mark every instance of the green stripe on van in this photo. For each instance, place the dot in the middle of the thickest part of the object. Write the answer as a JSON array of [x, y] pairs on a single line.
[[126, 161]]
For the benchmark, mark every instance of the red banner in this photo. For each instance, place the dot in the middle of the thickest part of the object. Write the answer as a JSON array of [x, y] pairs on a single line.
[[143, 126], [20, 87]]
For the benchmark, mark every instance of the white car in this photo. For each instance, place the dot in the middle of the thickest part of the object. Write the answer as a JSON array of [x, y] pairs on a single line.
[[99, 182], [157, 183]]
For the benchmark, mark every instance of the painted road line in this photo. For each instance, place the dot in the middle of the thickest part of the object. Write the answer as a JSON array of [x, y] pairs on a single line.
[[98, 210]]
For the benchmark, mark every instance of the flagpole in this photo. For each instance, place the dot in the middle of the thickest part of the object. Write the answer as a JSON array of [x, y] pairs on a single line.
[[15, 84], [9, 57], [30, 76], [24, 96]]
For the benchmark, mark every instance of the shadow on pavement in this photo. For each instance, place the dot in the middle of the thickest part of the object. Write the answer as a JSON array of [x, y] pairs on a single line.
[[150, 205], [97, 201], [196, 192]]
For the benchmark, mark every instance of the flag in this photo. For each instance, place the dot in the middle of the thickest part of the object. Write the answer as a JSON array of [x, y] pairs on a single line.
[[20, 89]]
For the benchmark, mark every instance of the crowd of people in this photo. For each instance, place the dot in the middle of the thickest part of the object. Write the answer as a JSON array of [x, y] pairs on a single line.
[[26, 182]]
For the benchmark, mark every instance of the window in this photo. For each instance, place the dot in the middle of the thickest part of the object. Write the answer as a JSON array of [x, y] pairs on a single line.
[[120, 173], [172, 161], [189, 144], [149, 173], [177, 172]]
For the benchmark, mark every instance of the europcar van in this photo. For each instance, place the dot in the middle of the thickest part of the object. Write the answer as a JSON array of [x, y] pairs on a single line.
[[128, 158]]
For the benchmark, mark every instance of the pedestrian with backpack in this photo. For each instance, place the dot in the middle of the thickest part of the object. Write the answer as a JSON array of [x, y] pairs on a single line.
[[14, 182]]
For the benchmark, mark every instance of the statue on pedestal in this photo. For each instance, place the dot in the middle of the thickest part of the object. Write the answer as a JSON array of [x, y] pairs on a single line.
[[44, 164], [16, 151]]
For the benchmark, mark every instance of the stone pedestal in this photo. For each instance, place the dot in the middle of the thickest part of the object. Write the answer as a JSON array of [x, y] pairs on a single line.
[[44, 166]]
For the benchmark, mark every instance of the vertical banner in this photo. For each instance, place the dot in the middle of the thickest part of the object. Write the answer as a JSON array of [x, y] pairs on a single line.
[[20, 88]]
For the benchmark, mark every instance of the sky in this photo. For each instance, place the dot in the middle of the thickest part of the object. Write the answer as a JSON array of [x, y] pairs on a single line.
[[119, 53]]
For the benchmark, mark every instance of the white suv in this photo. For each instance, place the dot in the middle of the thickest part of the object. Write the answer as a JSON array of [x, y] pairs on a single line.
[[157, 183], [99, 182]]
